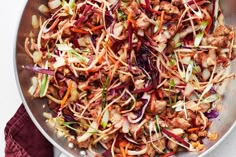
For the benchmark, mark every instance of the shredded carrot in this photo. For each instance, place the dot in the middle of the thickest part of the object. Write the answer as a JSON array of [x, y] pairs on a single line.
[[168, 154], [111, 73], [63, 101], [122, 151], [161, 22], [192, 129], [209, 25], [152, 103], [129, 19], [90, 25], [122, 144], [79, 30], [97, 27], [112, 60]]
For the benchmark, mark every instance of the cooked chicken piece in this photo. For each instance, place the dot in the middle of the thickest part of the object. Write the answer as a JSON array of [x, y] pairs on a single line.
[[118, 28], [172, 146], [84, 144], [200, 122], [193, 137], [133, 8], [220, 41], [138, 105], [161, 144], [169, 8], [204, 107], [190, 114], [158, 106], [95, 110], [202, 133], [124, 78], [139, 84], [151, 151], [180, 123], [221, 31], [155, 2], [143, 21], [176, 2]]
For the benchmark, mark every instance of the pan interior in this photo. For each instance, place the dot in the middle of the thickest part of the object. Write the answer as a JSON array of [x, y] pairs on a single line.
[[35, 107]]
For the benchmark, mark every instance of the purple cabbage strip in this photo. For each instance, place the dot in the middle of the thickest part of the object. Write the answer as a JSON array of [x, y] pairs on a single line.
[[37, 69], [212, 114]]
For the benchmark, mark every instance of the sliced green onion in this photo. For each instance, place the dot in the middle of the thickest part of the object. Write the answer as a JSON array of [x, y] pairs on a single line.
[[176, 40], [68, 6], [44, 83], [207, 89], [91, 130], [172, 85], [105, 118], [155, 29], [200, 35], [211, 98], [35, 22], [189, 71], [67, 124], [43, 9], [203, 25], [64, 47], [198, 12], [198, 39], [157, 124]]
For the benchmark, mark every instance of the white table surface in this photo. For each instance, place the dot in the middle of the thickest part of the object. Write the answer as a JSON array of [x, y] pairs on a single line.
[[10, 12]]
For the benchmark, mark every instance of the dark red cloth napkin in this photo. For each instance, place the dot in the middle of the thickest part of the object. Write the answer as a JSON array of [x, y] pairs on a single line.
[[23, 139]]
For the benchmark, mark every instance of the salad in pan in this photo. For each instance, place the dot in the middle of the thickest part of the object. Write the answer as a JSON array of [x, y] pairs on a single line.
[[138, 77]]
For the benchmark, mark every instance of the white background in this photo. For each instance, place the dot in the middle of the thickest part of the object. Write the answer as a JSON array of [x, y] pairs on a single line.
[[10, 12]]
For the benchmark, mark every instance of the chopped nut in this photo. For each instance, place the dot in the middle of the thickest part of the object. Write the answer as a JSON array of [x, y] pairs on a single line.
[[193, 137], [172, 145], [197, 145], [202, 133], [212, 136]]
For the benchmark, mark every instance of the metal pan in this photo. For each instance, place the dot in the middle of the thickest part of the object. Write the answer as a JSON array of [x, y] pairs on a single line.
[[223, 125]]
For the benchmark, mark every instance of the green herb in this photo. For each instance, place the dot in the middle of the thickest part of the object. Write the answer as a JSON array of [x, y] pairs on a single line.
[[64, 47], [68, 6], [105, 118], [172, 85], [104, 93], [157, 124], [122, 16], [172, 62], [68, 125]]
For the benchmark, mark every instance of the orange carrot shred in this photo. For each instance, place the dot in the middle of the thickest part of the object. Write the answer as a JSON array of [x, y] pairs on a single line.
[[97, 27], [122, 144], [161, 22], [63, 101], [192, 129], [79, 31]]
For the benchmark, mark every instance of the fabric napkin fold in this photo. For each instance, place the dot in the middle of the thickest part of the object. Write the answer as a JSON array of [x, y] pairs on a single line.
[[23, 139]]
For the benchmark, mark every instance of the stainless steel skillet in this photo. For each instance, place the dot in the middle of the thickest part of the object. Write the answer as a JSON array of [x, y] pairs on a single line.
[[224, 124]]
